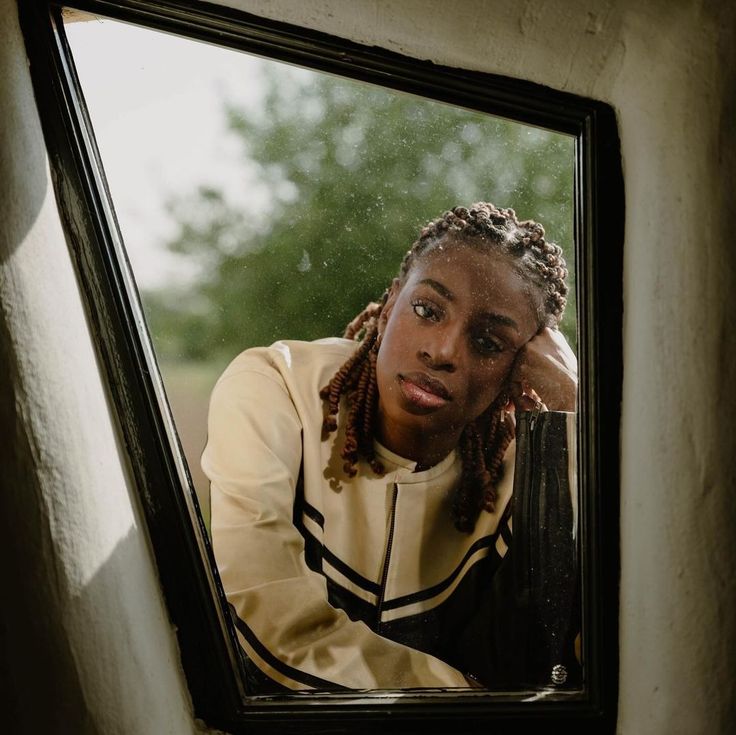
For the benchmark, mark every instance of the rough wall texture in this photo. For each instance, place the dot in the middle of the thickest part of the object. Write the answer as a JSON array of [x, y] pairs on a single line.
[[668, 68], [83, 629]]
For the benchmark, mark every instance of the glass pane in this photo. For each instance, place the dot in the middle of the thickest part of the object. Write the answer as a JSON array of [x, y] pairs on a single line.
[[260, 202]]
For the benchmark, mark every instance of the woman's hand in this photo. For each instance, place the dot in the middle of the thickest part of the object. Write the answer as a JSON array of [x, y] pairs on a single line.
[[545, 370]]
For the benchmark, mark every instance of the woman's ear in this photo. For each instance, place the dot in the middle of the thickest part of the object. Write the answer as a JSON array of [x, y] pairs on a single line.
[[388, 306]]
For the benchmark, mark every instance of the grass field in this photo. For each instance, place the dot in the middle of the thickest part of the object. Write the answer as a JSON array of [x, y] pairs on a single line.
[[188, 387]]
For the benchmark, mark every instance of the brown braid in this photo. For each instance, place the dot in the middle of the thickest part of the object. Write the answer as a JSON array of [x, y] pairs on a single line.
[[357, 380], [483, 442]]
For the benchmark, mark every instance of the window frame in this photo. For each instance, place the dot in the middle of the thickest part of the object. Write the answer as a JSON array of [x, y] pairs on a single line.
[[177, 533]]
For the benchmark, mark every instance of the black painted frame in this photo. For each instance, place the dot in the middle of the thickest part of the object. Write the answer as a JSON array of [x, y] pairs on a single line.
[[195, 599]]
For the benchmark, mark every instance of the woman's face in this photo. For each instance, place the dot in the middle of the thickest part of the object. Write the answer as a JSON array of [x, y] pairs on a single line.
[[450, 335]]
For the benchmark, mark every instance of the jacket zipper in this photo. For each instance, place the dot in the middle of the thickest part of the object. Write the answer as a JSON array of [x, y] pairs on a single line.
[[525, 507], [387, 558], [533, 499], [533, 418]]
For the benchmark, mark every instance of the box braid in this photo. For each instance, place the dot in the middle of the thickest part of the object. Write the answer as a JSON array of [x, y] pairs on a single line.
[[484, 441]]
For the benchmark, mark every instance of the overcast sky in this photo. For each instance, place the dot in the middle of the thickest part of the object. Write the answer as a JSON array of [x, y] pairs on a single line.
[[156, 103]]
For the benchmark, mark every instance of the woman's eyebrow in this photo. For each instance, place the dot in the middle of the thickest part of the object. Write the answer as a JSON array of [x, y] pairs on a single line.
[[437, 286], [500, 319]]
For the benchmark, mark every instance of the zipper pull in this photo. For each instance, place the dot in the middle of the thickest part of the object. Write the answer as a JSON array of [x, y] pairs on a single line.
[[535, 414]]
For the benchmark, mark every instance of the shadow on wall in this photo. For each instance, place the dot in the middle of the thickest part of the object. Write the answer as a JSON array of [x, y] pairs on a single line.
[[113, 609], [32, 637], [26, 558]]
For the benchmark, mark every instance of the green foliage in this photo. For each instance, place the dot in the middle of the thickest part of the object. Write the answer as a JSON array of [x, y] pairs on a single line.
[[349, 173]]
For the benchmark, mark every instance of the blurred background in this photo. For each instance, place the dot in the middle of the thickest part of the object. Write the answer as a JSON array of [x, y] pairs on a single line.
[[259, 201]]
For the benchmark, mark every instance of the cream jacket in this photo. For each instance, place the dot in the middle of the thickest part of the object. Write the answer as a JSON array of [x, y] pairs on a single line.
[[335, 582]]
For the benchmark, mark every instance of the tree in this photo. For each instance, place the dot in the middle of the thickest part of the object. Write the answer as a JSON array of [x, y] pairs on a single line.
[[350, 173]]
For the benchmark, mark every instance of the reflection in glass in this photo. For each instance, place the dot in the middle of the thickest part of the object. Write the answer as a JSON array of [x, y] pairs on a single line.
[[306, 192]]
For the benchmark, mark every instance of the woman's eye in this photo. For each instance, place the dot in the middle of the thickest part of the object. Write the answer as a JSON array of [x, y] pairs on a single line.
[[487, 345], [425, 311]]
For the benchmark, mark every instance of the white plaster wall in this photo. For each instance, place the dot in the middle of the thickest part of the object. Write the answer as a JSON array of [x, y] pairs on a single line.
[[84, 634], [668, 69]]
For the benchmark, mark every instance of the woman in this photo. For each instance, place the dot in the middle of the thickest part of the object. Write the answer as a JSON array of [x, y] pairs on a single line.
[[361, 487]]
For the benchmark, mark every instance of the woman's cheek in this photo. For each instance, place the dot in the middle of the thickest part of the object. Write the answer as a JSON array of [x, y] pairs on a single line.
[[492, 383]]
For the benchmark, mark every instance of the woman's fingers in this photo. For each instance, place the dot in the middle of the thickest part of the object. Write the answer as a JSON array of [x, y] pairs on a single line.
[[525, 398]]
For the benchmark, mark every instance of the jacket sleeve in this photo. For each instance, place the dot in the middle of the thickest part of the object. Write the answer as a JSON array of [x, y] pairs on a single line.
[[523, 629], [545, 544], [285, 623]]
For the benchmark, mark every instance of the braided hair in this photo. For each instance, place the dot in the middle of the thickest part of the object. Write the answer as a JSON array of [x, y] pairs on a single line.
[[484, 441]]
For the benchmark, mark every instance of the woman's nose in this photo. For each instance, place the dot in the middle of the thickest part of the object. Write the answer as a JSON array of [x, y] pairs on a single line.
[[441, 350]]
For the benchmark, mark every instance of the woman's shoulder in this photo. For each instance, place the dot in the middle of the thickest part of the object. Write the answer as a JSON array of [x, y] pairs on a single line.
[[289, 360]]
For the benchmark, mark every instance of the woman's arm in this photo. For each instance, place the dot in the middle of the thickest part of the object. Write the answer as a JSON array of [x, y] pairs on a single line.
[[285, 623]]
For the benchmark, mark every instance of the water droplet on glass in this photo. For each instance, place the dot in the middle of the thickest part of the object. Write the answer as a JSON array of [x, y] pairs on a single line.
[[305, 264]]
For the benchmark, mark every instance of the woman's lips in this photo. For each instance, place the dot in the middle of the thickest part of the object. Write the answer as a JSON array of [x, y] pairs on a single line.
[[424, 391]]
